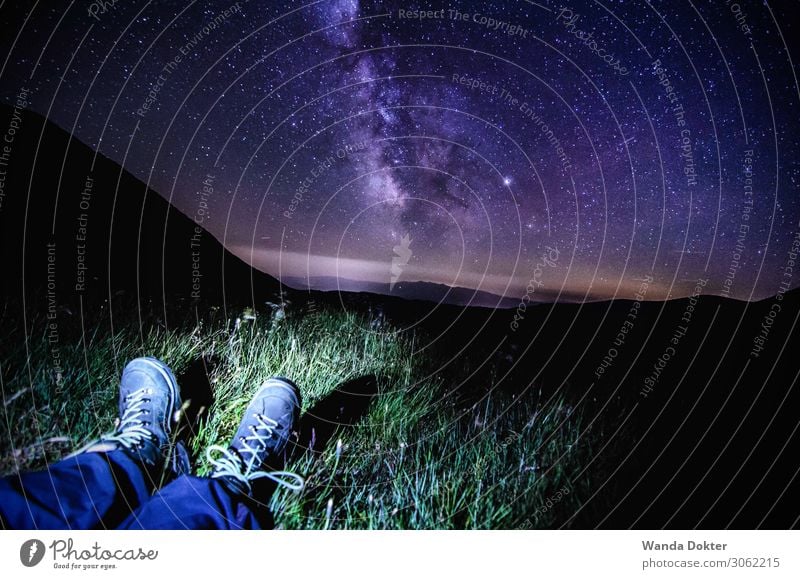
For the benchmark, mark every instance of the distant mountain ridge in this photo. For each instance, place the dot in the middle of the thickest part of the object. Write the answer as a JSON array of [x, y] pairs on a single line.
[[410, 290]]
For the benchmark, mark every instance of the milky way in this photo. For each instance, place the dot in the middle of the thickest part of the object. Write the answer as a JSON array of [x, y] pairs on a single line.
[[620, 139]]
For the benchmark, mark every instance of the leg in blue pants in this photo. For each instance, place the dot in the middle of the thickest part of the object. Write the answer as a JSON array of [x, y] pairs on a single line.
[[91, 490], [96, 490], [191, 502]]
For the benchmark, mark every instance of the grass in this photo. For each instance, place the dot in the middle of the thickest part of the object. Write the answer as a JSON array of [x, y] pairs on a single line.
[[421, 457]]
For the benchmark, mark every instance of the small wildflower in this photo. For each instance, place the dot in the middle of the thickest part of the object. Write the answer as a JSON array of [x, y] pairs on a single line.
[[181, 411], [328, 513]]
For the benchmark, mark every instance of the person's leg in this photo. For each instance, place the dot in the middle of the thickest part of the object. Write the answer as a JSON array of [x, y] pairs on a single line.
[[100, 485], [85, 491], [236, 494], [191, 502]]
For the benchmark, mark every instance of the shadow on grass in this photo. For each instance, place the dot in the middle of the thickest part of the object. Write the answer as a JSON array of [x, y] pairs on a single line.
[[344, 406], [196, 393]]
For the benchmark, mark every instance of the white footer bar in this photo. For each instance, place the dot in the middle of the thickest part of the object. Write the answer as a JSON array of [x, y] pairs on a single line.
[[354, 554]]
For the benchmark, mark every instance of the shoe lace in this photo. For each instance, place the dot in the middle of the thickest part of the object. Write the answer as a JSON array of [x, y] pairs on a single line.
[[130, 430], [246, 469]]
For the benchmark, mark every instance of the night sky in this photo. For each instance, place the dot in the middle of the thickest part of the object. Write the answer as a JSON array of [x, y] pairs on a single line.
[[575, 149]]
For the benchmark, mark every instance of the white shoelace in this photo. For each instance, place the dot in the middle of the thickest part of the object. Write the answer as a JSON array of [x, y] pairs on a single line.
[[245, 469], [129, 430]]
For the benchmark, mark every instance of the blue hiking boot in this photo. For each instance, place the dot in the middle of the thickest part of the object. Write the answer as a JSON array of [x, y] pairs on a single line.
[[261, 440], [149, 405]]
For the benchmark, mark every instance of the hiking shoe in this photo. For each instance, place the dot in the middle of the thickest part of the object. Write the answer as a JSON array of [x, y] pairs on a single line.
[[149, 397], [261, 439]]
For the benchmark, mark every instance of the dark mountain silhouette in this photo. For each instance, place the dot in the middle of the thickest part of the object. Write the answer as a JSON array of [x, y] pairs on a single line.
[[77, 224], [410, 290]]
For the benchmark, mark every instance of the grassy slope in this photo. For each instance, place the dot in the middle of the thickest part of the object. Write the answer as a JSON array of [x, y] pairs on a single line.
[[417, 459]]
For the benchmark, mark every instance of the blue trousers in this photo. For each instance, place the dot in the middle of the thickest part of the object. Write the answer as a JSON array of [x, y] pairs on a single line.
[[111, 490]]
